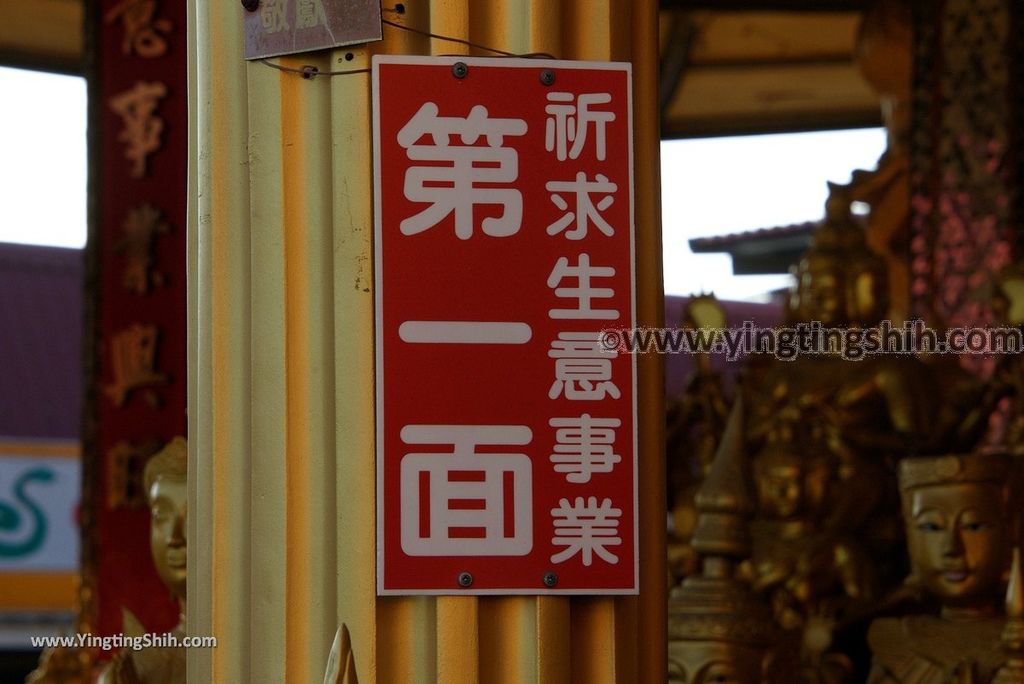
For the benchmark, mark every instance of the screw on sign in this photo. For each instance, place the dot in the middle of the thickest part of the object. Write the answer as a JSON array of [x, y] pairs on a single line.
[[504, 245]]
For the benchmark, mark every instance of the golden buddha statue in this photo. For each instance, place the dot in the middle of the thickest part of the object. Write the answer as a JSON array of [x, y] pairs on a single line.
[[718, 631], [958, 518], [165, 479]]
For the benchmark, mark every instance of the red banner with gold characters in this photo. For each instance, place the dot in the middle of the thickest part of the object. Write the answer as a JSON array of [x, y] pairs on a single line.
[[136, 383]]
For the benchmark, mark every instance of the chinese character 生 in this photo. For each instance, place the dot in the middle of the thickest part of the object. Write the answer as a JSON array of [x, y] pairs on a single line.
[[584, 292]]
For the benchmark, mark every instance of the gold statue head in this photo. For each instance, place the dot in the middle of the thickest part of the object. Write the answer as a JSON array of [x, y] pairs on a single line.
[[165, 479], [959, 524], [839, 281]]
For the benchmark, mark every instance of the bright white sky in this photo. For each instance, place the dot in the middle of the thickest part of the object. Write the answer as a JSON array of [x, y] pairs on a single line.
[[709, 186]]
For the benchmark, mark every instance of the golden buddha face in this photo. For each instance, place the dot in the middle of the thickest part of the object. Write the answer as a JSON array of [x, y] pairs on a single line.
[[715, 662], [168, 498], [958, 539], [822, 293], [780, 487]]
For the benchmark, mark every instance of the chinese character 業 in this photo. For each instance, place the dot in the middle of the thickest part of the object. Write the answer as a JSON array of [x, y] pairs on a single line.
[[583, 368], [455, 186], [141, 227], [141, 27], [310, 13], [462, 501], [274, 15], [584, 446], [586, 210], [568, 122], [586, 528], [584, 292], [142, 128]]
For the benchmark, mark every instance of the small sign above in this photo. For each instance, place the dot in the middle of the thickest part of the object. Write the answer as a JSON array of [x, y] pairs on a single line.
[[286, 27]]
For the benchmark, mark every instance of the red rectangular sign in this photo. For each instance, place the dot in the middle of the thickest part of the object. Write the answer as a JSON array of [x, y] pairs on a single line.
[[506, 432]]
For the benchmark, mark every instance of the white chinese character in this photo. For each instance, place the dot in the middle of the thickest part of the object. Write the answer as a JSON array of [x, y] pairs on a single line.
[[273, 14], [458, 184], [583, 368], [569, 122], [587, 529], [461, 502], [310, 13], [584, 446], [586, 210], [585, 292]]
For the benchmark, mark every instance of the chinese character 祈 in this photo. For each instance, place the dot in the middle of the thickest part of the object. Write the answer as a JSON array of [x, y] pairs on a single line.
[[585, 292], [142, 128], [586, 210], [569, 122], [133, 361], [583, 368], [141, 27], [586, 528], [584, 446], [273, 15], [454, 186], [310, 13], [465, 502]]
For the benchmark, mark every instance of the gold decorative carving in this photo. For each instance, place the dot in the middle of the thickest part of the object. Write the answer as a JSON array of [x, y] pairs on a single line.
[[341, 665], [142, 127]]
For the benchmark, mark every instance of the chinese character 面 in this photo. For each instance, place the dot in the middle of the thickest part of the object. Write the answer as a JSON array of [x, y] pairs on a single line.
[[142, 128], [583, 368], [586, 528], [274, 15], [310, 13], [568, 122], [584, 292], [586, 210], [584, 446], [141, 27], [456, 184], [462, 501]]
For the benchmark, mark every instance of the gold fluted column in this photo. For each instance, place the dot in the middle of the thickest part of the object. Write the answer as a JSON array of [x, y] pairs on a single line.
[[282, 530]]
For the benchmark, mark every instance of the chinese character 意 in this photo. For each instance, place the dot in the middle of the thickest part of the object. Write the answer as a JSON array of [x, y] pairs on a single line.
[[569, 121], [465, 502], [457, 178], [133, 361], [586, 211], [141, 228], [584, 292], [583, 368], [141, 27], [142, 128], [586, 528], [274, 16], [310, 13], [584, 446]]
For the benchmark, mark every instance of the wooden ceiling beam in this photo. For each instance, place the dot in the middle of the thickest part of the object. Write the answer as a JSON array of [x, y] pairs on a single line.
[[765, 5]]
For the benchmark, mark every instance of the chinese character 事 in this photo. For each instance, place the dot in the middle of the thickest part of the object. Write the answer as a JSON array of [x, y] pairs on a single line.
[[142, 127], [454, 186]]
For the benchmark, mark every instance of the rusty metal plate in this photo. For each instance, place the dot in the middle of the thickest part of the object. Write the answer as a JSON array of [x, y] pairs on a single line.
[[287, 27]]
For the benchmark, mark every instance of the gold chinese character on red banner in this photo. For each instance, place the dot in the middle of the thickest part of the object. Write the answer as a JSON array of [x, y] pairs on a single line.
[[133, 361], [142, 127], [142, 28], [124, 465], [141, 228]]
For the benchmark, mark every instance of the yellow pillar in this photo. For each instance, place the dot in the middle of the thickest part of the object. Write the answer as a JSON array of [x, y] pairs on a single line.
[[282, 524]]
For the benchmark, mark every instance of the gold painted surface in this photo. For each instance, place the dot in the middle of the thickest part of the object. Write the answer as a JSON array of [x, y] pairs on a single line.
[[43, 31], [281, 346]]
